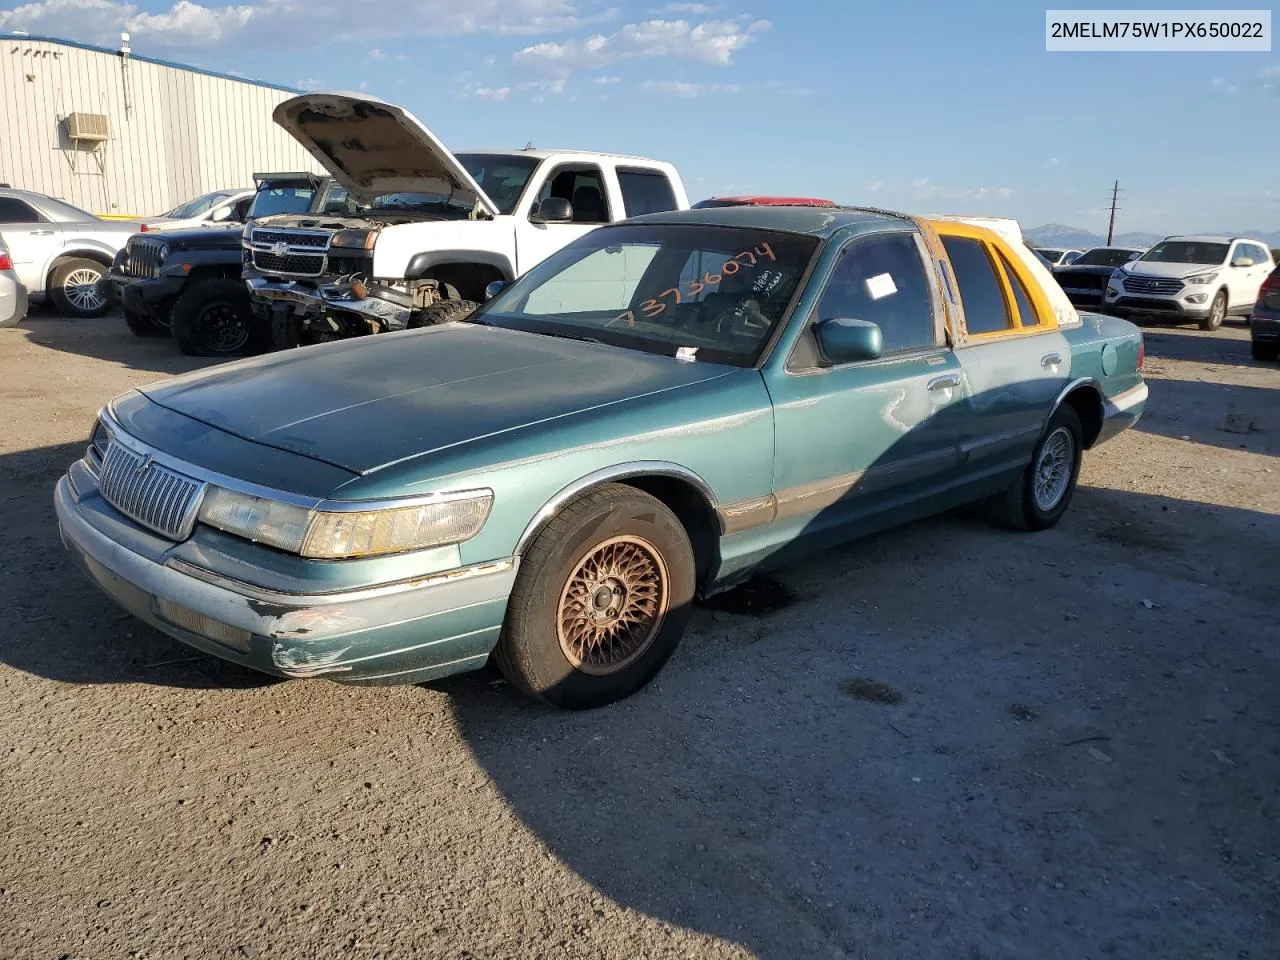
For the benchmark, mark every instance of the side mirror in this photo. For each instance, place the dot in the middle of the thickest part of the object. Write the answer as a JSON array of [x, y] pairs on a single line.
[[221, 214], [552, 210], [494, 288], [846, 341], [1242, 262]]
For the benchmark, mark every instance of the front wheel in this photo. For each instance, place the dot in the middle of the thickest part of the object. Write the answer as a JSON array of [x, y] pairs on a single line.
[[76, 288], [141, 325], [442, 311], [213, 318], [1040, 496], [601, 600], [1217, 312]]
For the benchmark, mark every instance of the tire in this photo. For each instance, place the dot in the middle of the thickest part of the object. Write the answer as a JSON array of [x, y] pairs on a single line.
[[442, 311], [213, 318], [1018, 506], [141, 325], [561, 572], [1266, 352], [76, 288], [1217, 312]]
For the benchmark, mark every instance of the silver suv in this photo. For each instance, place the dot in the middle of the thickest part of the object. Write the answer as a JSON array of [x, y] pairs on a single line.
[[59, 251]]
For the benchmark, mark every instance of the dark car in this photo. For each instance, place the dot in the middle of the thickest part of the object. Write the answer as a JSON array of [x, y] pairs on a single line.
[[1264, 322], [1085, 280], [188, 283], [757, 201]]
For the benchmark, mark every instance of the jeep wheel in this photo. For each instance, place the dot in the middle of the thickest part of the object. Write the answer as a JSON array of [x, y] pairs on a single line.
[[76, 288], [1217, 312], [141, 325], [600, 602], [442, 311], [213, 318]]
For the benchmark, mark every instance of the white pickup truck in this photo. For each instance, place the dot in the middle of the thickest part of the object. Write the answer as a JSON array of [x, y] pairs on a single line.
[[427, 231]]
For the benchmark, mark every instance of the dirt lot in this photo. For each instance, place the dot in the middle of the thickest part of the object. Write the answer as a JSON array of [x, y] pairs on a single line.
[[1071, 747]]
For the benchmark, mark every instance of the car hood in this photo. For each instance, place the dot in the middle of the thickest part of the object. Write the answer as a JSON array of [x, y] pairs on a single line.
[[200, 238], [1083, 268], [372, 147], [371, 402], [1141, 268]]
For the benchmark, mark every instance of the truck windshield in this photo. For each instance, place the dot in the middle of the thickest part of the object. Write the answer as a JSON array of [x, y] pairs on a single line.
[[1186, 251], [693, 291], [273, 199], [502, 177]]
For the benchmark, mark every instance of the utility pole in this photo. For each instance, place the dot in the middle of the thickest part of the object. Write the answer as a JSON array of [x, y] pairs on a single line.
[[1111, 224]]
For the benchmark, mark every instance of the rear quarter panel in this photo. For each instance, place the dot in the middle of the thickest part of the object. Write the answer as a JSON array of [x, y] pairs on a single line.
[[1105, 349]]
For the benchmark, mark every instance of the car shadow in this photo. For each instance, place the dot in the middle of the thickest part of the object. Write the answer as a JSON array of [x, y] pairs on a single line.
[[107, 338], [1199, 346]]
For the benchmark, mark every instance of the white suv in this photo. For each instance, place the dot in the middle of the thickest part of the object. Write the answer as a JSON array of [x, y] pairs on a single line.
[[1204, 279]]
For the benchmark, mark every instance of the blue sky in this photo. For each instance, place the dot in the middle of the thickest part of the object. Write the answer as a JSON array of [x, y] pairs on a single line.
[[928, 107]]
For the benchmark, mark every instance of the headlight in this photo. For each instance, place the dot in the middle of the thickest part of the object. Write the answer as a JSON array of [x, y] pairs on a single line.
[[1203, 278], [369, 533], [338, 535], [276, 524]]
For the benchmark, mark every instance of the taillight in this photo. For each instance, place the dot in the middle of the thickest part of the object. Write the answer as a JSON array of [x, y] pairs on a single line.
[[1271, 283], [1142, 352], [144, 229], [5, 262]]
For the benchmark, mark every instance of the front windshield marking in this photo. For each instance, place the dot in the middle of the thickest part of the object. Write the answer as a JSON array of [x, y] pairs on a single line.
[[662, 288], [1187, 251]]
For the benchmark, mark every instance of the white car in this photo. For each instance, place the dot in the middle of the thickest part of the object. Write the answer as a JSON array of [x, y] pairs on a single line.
[[221, 206], [433, 230], [1058, 258], [59, 251], [13, 295], [1201, 279]]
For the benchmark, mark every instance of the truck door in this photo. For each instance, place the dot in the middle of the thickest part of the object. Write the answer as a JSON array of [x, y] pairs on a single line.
[[583, 185]]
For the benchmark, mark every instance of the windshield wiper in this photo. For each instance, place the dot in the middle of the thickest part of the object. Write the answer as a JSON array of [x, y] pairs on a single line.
[[570, 336]]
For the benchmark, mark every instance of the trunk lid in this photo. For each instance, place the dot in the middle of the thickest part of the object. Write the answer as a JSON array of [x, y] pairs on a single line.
[[373, 147]]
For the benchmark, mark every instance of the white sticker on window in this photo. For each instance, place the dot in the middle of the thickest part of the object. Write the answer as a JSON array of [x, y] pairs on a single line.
[[881, 286], [686, 353]]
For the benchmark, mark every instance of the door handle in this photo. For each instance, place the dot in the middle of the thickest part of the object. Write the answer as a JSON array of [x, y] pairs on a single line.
[[42, 233], [946, 380], [1050, 360]]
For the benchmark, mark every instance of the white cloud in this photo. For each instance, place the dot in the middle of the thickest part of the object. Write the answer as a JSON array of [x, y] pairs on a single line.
[[191, 25], [693, 9], [496, 94], [311, 84], [678, 88], [712, 42], [377, 54], [606, 80], [364, 85]]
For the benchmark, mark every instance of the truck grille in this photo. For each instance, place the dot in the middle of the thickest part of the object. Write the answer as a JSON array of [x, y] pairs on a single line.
[[142, 258], [294, 264], [1160, 286], [1085, 283], [156, 497], [319, 241]]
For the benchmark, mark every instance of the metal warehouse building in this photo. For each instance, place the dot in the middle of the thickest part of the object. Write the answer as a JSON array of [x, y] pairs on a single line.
[[125, 135]]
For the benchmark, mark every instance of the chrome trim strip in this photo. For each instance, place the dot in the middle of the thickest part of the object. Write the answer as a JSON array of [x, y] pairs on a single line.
[[747, 514], [340, 596], [390, 503], [999, 439], [1124, 402], [621, 471], [816, 495]]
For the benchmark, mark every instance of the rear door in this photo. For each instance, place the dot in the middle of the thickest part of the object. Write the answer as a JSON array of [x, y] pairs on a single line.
[[1015, 360], [31, 239]]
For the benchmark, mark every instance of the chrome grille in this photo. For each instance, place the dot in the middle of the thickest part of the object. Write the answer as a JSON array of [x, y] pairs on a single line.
[[298, 265], [1157, 285], [319, 241], [142, 258], [156, 497]]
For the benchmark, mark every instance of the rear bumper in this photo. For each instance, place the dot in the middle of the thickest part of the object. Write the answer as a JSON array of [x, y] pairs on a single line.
[[1265, 328], [403, 632], [13, 302], [1122, 411]]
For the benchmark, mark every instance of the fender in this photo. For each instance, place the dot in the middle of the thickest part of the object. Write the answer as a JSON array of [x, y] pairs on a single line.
[[620, 471], [79, 248], [420, 264]]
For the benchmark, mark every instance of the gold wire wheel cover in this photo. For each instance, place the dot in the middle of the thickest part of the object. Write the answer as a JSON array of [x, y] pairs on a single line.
[[613, 605]]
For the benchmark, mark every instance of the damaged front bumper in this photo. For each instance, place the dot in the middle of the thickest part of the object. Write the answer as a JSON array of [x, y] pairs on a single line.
[[384, 306], [404, 632]]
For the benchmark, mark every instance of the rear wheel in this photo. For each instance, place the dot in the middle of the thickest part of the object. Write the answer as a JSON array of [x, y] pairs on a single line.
[[1266, 352], [76, 288], [601, 600], [1040, 497], [141, 325], [1217, 312], [214, 318], [442, 311]]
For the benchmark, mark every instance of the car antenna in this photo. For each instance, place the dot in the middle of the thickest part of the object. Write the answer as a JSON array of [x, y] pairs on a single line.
[[529, 145]]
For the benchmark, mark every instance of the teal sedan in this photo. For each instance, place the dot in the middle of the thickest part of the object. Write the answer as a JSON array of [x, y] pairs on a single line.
[[653, 414]]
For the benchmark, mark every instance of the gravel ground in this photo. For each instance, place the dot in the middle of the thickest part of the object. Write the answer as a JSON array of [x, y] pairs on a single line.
[[945, 742]]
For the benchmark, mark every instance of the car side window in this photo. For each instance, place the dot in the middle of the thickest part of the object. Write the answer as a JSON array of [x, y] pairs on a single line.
[[645, 191], [240, 211], [583, 187], [13, 210], [1026, 312], [985, 310], [882, 280]]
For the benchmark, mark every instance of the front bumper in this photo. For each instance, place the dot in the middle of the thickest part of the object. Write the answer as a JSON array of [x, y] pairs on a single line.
[[404, 632], [317, 299], [150, 296], [1122, 411]]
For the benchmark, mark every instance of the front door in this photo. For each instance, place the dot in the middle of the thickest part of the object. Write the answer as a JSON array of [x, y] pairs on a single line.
[[863, 444], [583, 185]]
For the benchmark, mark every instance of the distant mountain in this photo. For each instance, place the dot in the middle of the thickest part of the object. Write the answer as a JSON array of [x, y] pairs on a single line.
[[1058, 235]]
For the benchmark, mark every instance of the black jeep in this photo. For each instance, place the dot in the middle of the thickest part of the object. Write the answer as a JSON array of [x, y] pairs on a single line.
[[187, 282]]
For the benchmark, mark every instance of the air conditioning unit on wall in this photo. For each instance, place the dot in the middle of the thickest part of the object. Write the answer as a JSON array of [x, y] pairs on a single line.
[[91, 127]]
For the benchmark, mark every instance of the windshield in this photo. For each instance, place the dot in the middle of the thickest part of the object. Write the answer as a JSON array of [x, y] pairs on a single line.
[[1186, 251], [502, 177], [199, 205], [281, 198], [1105, 257], [699, 292]]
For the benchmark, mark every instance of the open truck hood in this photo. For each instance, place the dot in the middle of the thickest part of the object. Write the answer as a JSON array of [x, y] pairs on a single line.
[[372, 147]]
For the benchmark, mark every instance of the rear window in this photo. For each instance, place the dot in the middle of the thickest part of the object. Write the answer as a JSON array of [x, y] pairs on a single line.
[[645, 191], [13, 210]]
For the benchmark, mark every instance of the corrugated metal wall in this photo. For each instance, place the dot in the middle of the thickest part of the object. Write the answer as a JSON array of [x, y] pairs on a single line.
[[175, 133]]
